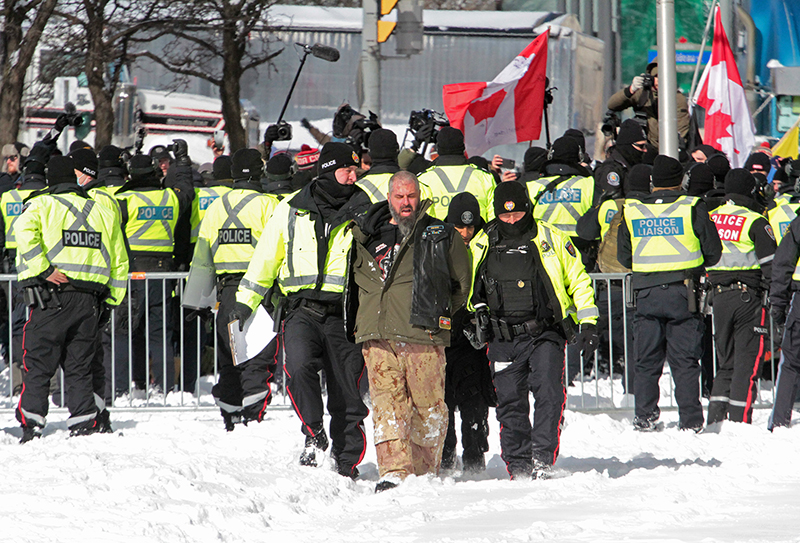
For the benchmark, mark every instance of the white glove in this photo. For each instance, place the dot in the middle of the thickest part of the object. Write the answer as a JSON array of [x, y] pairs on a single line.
[[637, 83]]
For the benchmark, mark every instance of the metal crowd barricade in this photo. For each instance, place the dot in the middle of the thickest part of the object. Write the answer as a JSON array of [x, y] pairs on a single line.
[[594, 388]]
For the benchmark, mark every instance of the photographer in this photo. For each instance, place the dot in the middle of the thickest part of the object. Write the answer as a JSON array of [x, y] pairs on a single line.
[[642, 96]]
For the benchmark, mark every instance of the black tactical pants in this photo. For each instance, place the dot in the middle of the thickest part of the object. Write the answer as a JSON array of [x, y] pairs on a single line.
[[664, 327], [789, 369], [519, 367], [63, 337], [739, 328], [242, 389], [314, 343]]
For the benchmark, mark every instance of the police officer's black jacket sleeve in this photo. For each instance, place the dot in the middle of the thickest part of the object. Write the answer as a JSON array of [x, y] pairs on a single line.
[[783, 266], [765, 246], [588, 226], [624, 251], [706, 232], [179, 179]]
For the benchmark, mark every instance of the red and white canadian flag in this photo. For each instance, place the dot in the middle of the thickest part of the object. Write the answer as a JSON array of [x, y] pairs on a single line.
[[507, 109], [728, 127]]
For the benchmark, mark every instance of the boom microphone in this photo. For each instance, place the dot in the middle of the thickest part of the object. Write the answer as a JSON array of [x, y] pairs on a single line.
[[331, 54]]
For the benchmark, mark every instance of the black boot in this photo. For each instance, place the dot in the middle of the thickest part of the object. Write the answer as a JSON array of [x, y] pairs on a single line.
[[86, 428], [104, 422], [30, 432], [230, 419], [317, 442]]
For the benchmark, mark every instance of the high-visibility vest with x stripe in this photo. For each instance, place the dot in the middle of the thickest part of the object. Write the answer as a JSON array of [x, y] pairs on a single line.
[[781, 215], [662, 235], [203, 198], [105, 197], [738, 249], [447, 181], [152, 216], [76, 235], [376, 186], [233, 225], [565, 204], [289, 253], [11, 208]]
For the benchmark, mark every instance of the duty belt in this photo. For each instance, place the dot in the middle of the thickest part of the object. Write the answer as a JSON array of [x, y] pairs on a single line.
[[735, 286], [229, 279], [318, 309], [507, 332]]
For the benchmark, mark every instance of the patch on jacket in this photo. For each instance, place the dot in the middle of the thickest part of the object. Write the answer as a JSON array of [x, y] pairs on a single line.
[[433, 230], [546, 249], [571, 249], [444, 323]]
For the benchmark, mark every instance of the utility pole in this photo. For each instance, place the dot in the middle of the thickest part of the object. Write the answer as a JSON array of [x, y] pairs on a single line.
[[726, 14], [667, 80], [370, 59]]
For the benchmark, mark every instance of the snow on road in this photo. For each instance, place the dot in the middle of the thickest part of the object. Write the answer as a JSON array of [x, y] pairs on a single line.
[[177, 476]]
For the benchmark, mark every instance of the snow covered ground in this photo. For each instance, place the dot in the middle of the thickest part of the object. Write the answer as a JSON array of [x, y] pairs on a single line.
[[176, 476]]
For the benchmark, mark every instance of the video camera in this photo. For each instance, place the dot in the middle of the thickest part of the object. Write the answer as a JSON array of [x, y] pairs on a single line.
[[73, 118], [360, 129], [648, 81], [422, 125], [610, 124]]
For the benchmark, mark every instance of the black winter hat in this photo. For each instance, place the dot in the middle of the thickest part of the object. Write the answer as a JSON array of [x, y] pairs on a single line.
[[739, 181], [534, 159], [510, 197], [85, 161], [578, 136], [464, 210], [79, 144], [110, 157], [141, 167], [758, 162], [705, 149], [450, 141], [638, 179], [61, 169], [565, 150], [247, 164], [335, 155], [221, 170], [383, 144], [630, 132], [701, 179], [720, 166], [479, 162], [279, 167], [667, 172], [157, 152]]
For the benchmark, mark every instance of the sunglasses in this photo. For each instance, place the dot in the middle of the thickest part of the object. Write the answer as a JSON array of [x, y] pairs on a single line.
[[12, 157]]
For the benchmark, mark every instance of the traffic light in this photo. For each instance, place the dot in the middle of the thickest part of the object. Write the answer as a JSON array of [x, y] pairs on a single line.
[[407, 28], [385, 28]]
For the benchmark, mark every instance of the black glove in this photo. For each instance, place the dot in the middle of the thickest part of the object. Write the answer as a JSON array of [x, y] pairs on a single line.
[[271, 133], [588, 340], [202, 314], [424, 133], [62, 121], [105, 315], [305, 124], [469, 332], [378, 215], [241, 313], [181, 151], [778, 315]]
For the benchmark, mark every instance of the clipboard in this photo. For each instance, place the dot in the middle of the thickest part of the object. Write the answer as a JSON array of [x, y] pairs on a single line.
[[256, 335]]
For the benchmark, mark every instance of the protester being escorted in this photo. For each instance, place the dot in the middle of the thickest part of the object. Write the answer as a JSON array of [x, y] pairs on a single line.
[[228, 236], [451, 174], [411, 273], [738, 283], [72, 263], [468, 379], [530, 292], [305, 254], [667, 239], [150, 213]]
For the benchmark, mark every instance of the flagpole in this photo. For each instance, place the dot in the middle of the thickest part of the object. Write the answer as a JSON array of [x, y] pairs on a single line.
[[702, 49], [667, 80]]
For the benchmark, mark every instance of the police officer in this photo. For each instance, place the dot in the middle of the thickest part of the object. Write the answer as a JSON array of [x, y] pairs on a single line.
[[304, 251], [383, 148], [667, 239], [150, 213], [278, 177], [451, 174], [530, 291], [206, 195], [738, 281], [227, 239], [783, 208], [785, 311], [72, 263], [628, 151]]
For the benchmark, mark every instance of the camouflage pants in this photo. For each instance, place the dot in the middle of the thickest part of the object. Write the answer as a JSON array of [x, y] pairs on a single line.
[[406, 384]]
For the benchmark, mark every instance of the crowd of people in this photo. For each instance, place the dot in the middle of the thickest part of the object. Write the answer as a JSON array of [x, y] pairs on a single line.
[[449, 284]]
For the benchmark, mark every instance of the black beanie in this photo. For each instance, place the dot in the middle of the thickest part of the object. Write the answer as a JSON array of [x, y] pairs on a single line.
[[630, 132], [667, 172], [534, 159], [79, 144], [638, 179], [110, 157], [279, 167], [739, 181], [247, 164], [61, 169], [565, 150], [578, 136], [450, 141], [705, 149], [383, 144], [464, 210], [510, 197], [758, 162], [335, 155], [701, 179], [479, 162], [720, 166], [85, 161], [221, 170], [141, 167]]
